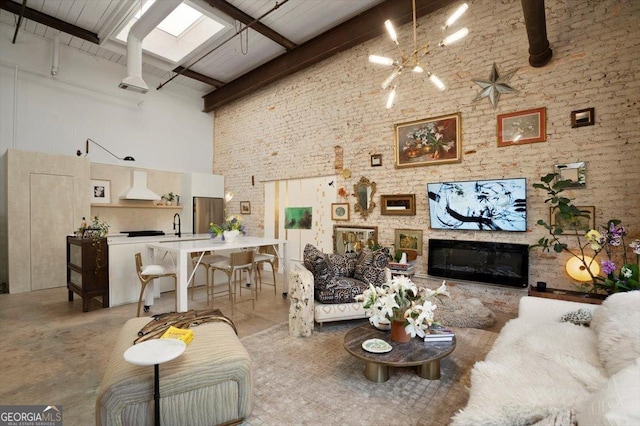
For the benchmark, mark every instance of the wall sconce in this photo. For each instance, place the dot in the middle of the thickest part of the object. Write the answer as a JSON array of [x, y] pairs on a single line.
[[577, 270], [86, 151], [228, 196]]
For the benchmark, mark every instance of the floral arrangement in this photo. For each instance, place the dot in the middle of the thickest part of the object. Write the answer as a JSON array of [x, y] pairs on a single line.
[[231, 223], [428, 139], [401, 300], [613, 236], [626, 279]]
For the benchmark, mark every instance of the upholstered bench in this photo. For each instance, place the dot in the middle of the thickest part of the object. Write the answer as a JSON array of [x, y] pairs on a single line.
[[210, 383]]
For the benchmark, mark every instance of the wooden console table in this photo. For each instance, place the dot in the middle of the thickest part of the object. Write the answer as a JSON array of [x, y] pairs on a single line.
[[572, 296]]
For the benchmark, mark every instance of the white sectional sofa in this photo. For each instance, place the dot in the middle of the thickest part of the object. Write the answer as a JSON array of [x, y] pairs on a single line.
[[546, 372]]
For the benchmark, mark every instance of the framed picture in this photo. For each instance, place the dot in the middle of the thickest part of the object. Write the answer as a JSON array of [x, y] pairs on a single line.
[[298, 217], [575, 172], [339, 211], [398, 205], [518, 128], [100, 191], [408, 239], [583, 117], [245, 207], [583, 224], [376, 160], [428, 142]]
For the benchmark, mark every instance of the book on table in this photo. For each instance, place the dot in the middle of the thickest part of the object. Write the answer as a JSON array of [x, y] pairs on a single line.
[[184, 334], [438, 333]]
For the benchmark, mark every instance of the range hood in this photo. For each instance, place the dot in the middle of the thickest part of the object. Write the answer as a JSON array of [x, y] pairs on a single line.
[[139, 190]]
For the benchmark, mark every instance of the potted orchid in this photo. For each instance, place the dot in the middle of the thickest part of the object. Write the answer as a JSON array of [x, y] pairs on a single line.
[[229, 229], [408, 307]]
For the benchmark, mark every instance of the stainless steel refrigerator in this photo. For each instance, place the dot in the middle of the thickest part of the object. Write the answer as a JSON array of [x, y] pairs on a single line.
[[205, 211]]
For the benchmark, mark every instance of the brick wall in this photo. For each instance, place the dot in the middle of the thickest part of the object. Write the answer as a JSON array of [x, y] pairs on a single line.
[[289, 129]]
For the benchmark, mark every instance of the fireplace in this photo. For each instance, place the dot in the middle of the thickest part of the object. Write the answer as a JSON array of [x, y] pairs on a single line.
[[496, 263]]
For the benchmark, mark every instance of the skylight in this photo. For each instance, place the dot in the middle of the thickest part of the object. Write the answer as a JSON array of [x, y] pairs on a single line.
[[179, 34]]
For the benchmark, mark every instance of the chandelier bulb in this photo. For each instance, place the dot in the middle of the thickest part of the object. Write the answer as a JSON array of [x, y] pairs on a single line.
[[390, 79], [391, 31], [381, 60], [391, 97], [454, 37], [436, 81], [455, 16], [418, 69]]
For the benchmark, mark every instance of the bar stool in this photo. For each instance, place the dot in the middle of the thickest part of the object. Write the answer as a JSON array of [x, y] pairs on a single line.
[[148, 273], [262, 257], [236, 263], [207, 259]]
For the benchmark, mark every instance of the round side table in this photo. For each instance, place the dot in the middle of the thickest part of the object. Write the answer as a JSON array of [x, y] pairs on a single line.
[[155, 352]]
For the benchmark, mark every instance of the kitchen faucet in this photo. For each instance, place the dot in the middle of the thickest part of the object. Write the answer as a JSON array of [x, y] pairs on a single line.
[[179, 233]]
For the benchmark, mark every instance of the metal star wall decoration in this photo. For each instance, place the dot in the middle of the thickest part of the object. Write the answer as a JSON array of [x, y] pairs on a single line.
[[494, 86]]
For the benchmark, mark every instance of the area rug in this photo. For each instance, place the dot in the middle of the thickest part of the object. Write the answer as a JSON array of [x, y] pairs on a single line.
[[315, 381]]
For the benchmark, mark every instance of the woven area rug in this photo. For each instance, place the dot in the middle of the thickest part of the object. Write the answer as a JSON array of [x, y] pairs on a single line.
[[315, 381]]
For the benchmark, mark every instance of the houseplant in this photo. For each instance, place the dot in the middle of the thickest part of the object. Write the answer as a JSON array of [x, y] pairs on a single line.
[[229, 229], [409, 308], [97, 230], [588, 241], [168, 198]]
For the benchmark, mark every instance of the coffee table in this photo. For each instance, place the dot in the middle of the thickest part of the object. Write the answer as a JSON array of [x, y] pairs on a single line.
[[425, 356]]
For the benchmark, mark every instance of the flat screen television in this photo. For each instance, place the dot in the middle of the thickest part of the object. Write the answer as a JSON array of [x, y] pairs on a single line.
[[479, 205]]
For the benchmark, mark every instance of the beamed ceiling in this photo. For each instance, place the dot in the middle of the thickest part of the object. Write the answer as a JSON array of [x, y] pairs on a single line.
[[290, 36]]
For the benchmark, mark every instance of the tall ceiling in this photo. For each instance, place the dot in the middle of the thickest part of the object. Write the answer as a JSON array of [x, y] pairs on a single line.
[[289, 36]]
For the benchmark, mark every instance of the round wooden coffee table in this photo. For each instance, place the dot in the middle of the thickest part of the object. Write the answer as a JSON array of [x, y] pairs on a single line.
[[425, 356]]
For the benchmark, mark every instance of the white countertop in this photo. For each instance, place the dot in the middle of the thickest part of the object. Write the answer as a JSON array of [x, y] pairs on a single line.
[[117, 239]]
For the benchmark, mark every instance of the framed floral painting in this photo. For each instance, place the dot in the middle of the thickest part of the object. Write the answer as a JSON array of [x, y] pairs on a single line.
[[428, 142], [522, 127]]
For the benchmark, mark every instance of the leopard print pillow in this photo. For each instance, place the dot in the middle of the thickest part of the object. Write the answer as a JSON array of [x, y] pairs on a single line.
[[579, 317]]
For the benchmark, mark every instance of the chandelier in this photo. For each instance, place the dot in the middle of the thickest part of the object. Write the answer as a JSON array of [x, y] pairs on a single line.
[[412, 61]]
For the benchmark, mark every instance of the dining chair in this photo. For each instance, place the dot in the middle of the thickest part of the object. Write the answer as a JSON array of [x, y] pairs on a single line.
[[233, 267], [148, 273]]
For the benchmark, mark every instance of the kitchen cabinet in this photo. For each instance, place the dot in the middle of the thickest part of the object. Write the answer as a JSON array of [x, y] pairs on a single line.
[[88, 270]]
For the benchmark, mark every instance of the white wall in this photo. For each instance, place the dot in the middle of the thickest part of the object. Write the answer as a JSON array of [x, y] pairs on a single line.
[[164, 130]]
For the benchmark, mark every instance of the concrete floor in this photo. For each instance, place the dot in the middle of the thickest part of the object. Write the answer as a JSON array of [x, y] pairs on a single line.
[[52, 353]]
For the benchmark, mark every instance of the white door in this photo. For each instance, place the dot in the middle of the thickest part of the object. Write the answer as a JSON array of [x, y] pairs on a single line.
[[51, 204]]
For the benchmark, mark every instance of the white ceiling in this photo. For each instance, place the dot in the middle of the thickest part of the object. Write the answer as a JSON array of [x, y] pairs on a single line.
[[296, 20]]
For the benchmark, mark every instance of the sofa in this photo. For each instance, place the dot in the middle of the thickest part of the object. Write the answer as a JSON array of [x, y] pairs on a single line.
[[327, 284], [211, 383], [561, 363]]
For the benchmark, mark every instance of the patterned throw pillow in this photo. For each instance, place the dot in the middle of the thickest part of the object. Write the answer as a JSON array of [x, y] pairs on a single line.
[[579, 317], [371, 264], [315, 261]]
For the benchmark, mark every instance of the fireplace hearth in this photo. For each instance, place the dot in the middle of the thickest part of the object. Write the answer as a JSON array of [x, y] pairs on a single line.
[[486, 262]]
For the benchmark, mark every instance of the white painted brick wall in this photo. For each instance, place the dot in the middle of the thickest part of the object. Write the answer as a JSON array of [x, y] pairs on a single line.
[[289, 129]]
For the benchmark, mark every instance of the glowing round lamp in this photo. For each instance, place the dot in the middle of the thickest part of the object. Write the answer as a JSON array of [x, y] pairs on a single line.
[[578, 271]]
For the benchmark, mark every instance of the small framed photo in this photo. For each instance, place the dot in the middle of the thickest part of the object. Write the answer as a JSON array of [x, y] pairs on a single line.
[[245, 207], [408, 239], [582, 224], [518, 128], [398, 205], [376, 160], [339, 211], [100, 191], [583, 117]]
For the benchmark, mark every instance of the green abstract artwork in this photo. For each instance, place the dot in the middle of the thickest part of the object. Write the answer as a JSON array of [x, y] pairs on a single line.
[[297, 217]]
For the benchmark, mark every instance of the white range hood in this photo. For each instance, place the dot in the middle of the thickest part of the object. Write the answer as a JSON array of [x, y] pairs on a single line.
[[139, 190]]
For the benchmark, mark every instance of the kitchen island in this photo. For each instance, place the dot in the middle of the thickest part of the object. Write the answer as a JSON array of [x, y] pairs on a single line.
[[183, 248], [124, 285]]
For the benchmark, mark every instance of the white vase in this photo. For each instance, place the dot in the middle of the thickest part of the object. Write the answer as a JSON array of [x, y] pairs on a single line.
[[229, 236], [403, 259]]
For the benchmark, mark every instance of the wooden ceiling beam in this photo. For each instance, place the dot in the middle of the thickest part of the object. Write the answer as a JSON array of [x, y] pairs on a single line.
[[197, 76], [353, 32], [49, 21], [239, 15]]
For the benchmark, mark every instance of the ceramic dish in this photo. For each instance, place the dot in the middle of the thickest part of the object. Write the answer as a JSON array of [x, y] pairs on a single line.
[[382, 325], [376, 346]]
